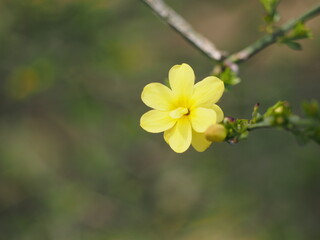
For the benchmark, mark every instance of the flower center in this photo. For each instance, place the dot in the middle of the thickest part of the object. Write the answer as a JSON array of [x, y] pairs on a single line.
[[179, 112]]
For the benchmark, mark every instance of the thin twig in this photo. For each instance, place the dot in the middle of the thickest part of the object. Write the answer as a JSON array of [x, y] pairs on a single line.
[[267, 40], [181, 26]]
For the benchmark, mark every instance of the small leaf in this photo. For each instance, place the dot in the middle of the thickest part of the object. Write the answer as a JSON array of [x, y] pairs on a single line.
[[293, 45], [229, 78], [270, 7], [300, 31], [243, 135]]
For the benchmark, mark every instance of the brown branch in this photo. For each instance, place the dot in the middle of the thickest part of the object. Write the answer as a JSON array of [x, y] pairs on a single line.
[[180, 25]]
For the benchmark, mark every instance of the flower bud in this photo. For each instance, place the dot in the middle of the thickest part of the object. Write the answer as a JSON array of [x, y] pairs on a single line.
[[216, 133], [230, 119], [279, 110]]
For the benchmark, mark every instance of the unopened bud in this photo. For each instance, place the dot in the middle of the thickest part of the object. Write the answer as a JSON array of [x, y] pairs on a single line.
[[216, 133], [279, 109], [230, 119], [256, 106]]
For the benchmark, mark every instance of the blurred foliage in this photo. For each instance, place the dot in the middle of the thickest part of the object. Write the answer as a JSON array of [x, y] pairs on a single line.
[[74, 163]]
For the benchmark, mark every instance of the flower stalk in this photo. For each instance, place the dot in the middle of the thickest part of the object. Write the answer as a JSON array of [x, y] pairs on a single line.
[[278, 116]]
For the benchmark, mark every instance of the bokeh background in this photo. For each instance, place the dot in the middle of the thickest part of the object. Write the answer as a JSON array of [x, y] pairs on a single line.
[[74, 163]]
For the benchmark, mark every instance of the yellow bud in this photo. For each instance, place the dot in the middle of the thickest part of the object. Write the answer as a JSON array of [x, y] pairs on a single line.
[[279, 109], [216, 133]]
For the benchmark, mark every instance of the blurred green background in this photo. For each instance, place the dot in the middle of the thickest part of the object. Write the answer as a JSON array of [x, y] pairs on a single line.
[[74, 163]]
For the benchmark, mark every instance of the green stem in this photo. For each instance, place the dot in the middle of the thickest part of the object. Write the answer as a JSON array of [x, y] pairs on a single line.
[[258, 126], [267, 40], [277, 116]]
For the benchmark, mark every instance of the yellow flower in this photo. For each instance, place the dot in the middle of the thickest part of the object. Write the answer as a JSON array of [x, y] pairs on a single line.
[[185, 111]]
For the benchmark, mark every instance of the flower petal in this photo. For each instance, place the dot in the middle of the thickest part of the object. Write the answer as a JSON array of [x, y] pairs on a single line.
[[179, 137], [181, 78], [207, 92], [178, 112], [157, 96], [156, 121], [199, 142], [202, 118], [219, 112]]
